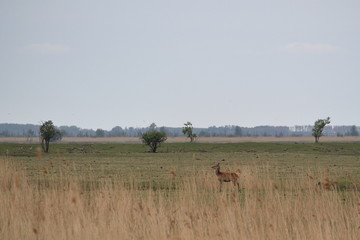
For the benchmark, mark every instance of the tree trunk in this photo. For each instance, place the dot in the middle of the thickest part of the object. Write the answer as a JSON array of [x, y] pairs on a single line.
[[43, 144], [47, 144], [153, 147]]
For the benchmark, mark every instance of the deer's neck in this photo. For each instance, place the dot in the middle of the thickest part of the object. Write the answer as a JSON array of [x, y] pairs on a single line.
[[217, 172]]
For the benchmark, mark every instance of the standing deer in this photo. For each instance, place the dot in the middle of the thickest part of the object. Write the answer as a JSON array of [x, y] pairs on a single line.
[[226, 176]]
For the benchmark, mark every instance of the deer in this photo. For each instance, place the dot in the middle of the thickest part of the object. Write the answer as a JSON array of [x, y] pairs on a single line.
[[327, 185], [226, 176]]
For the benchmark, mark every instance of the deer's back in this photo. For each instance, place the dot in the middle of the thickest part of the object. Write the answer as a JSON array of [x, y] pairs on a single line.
[[228, 176]]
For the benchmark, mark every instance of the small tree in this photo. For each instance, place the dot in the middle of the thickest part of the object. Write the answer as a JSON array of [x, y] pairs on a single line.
[[152, 127], [319, 125], [99, 133], [188, 130], [238, 132], [353, 131], [153, 139], [29, 135], [48, 132]]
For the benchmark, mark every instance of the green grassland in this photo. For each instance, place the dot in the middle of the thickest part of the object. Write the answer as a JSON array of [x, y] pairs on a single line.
[[107, 190], [340, 161]]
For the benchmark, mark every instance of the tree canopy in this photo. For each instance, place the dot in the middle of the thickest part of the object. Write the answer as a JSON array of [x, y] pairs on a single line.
[[48, 132], [153, 139], [319, 125], [188, 131]]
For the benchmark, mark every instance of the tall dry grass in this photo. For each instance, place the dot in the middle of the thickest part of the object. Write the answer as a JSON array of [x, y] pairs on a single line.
[[190, 208]]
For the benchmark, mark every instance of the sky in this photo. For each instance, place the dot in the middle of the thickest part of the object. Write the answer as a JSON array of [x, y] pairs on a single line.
[[101, 64]]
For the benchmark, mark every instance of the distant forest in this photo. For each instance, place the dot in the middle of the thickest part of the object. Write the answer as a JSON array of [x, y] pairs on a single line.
[[31, 130]]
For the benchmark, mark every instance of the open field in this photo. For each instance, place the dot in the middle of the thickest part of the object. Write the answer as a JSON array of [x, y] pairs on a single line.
[[118, 190], [183, 139]]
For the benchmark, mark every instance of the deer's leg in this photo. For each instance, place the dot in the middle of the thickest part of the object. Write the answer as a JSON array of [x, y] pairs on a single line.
[[236, 183], [220, 185]]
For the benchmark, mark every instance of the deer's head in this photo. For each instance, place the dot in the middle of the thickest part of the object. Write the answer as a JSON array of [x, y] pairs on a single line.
[[217, 166]]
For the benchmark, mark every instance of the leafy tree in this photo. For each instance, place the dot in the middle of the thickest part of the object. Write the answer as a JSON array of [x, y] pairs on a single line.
[[162, 129], [29, 135], [238, 132], [48, 132], [153, 139], [117, 132], [152, 127], [188, 130], [319, 125], [99, 133], [353, 131]]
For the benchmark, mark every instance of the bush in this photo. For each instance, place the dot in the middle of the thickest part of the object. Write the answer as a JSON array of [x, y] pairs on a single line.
[[153, 139]]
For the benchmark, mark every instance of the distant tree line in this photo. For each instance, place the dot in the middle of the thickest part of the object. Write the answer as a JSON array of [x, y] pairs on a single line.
[[32, 131]]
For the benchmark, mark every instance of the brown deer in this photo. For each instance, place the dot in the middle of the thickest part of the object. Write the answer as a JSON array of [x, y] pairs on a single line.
[[326, 185], [226, 176]]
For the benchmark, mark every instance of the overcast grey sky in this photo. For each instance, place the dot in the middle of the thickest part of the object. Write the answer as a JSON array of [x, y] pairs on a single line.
[[100, 64]]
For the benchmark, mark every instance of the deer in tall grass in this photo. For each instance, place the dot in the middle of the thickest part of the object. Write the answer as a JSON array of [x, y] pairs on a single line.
[[226, 176]]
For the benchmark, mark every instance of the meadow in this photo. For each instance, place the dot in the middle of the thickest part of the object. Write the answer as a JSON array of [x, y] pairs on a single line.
[[121, 191]]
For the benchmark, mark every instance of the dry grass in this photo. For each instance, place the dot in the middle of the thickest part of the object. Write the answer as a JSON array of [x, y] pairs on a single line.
[[191, 208]]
